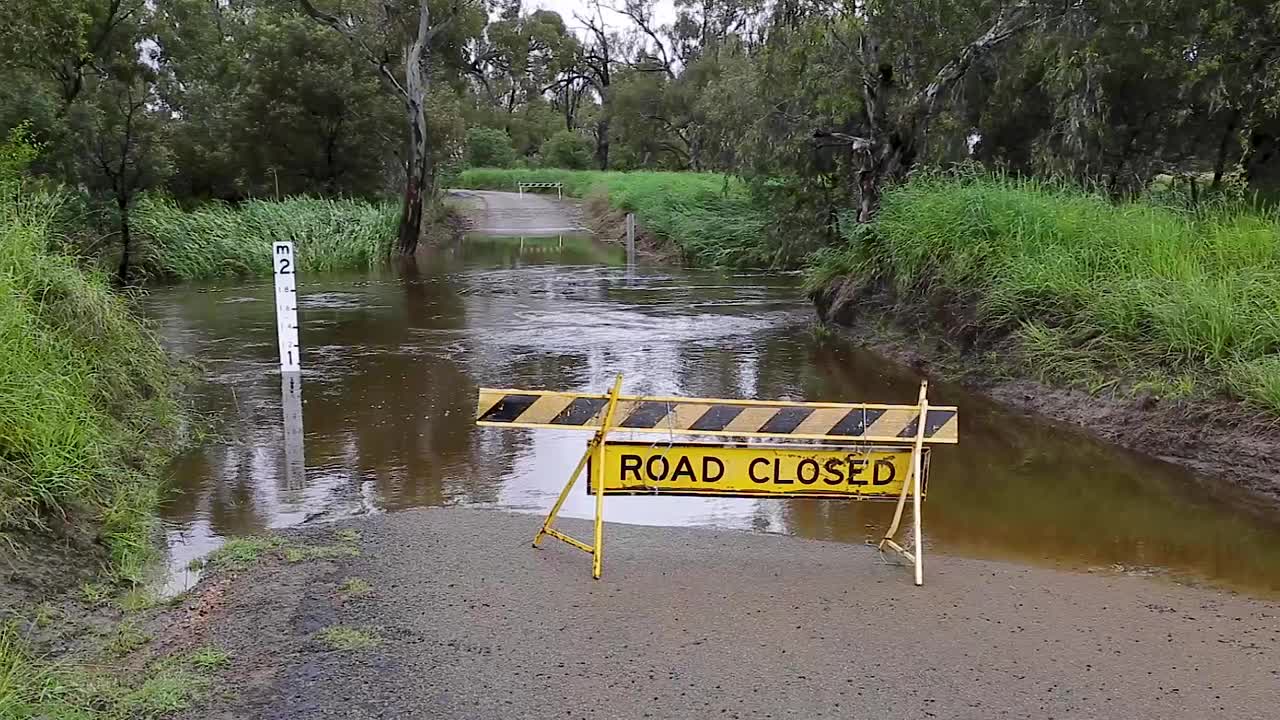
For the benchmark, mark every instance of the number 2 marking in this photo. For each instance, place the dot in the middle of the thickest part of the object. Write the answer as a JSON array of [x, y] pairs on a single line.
[[286, 266]]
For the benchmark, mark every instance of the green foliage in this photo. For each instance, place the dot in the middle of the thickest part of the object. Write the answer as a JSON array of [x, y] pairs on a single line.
[[1070, 270], [1257, 381], [87, 409], [339, 637], [218, 240], [126, 639], [489, 147], [137, 598], [304, 553], [208, 657], [568, 150], [272, 104], [709, 217], [31, 689], [354, 587], [241, 553], [17, 153], [94, 594]]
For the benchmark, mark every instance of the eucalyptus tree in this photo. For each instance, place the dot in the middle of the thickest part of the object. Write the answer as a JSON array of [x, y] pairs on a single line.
[[265, 102], [516, 71], [408, 44]]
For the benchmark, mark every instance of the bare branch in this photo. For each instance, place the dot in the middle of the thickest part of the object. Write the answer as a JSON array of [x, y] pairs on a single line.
[[379, 61], [834, 139], [642, 21], [1009, 22]]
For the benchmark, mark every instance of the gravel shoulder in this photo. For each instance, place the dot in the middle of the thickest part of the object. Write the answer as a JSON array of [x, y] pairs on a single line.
[[506, 213], [691, 623]]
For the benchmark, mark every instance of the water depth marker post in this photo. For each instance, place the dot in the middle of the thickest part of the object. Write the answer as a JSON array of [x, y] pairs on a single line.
[[285, 268]]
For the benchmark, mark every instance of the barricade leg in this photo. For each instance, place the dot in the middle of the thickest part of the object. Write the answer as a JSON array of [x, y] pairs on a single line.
[[564, 495], [912, 482], [915, 510], [597, 557], [596, 445]]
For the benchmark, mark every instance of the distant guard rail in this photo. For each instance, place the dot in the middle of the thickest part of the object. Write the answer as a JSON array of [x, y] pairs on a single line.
[[538, 185]]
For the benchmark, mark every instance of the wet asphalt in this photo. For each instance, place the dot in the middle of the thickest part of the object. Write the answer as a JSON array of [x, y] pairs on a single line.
[[694, 623], [535, 212]]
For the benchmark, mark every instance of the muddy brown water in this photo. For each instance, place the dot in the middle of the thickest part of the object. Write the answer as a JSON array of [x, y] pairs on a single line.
[[392, 360]]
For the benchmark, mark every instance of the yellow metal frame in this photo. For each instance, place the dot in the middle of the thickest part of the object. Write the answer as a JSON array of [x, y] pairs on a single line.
[[917, 557], [595, 445]]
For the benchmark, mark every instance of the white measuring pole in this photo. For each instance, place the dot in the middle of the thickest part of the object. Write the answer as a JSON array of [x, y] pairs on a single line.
[[285, 268], [295, 465], [631, 238]]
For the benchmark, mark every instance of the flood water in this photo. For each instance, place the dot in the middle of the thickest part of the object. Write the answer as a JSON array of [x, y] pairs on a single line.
[[392, 361]]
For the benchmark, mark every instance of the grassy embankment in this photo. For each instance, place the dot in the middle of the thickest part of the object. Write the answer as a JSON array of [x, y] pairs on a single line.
[[87, 416], [1092, 293], [86, 395], [708, 217], [217, 241]]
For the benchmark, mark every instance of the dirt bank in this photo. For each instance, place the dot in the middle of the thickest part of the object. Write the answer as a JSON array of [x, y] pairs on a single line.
[[448, 613], [1218, 439], [609, 224]]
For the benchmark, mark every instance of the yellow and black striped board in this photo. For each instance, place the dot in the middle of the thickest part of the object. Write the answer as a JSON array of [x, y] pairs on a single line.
[[862, 422]]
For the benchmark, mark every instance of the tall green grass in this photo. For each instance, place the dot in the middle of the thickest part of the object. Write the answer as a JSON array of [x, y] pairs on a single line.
[[711, 218], [86, 399], [221, 241], [1069, 272]]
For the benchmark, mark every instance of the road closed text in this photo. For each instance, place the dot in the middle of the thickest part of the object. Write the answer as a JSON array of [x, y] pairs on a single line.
[[693, 469]]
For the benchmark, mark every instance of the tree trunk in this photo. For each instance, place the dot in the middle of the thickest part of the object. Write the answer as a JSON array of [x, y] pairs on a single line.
[[896, 136], [602, 143], [419, 169], [1224, 146], [122, 275], [890, 163], [411, 209], [1258, 155]]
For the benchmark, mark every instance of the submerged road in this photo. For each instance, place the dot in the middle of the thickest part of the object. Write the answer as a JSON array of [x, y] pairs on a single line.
[[448, 614], [509, 213], [473, 624]]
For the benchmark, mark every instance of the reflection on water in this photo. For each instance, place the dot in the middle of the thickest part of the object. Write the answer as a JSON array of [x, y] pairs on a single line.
[[295, 465], [393, 362]]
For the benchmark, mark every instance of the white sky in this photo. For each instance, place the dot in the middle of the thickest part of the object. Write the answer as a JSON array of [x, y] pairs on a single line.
[[664, 12]]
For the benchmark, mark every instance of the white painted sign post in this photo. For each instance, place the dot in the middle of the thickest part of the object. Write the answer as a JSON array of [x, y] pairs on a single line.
[[285, 268], [631, 238], [295, 466]]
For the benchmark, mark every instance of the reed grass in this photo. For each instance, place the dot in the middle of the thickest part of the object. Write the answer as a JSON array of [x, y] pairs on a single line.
[[87, 407], [220, 241]]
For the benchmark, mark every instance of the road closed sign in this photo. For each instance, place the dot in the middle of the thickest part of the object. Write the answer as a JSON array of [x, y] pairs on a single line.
[[755, 470], [868, 451]]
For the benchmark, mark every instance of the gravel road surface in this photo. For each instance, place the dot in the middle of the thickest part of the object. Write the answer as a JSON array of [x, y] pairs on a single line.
[[689, 623], [508, 213]]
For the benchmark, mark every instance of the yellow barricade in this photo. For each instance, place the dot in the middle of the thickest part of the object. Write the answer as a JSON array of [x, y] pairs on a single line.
[[755, 471], [890, 459]]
